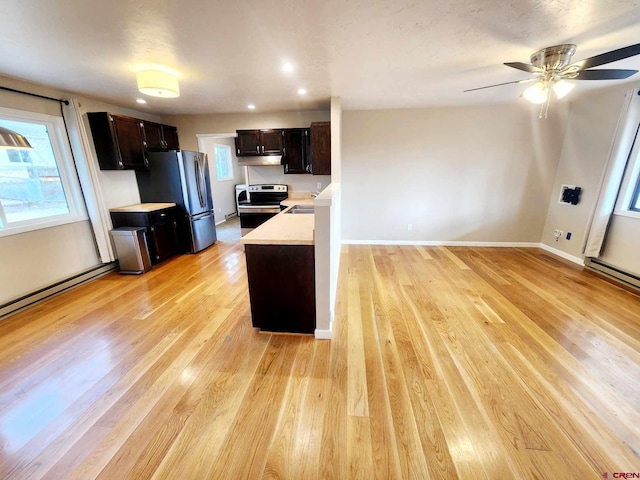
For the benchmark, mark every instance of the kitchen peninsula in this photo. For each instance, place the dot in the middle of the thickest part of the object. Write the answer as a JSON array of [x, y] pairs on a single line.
[[281, 271]]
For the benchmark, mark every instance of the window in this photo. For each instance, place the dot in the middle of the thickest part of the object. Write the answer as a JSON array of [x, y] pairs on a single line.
[[224, 165], [628, 203], [635, 201], [38, 187]]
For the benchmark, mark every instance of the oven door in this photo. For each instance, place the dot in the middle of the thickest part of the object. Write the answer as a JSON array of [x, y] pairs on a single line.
[[252, 220]]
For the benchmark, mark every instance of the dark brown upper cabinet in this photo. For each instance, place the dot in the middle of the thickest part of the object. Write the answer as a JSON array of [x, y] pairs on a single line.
[[118, 140], [122, 142], [158, 137], [320, 133], [295, 152], [259, 142]]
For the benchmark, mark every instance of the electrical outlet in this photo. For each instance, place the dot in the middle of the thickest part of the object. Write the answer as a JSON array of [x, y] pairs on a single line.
[[409, 226], [557, 234], [568, 237], [318, 186]]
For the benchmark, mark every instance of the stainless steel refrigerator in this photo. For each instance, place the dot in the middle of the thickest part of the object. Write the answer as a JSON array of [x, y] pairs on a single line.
[[182, 177]]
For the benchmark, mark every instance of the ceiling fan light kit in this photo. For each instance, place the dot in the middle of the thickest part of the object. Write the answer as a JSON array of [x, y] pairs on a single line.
[[552, 68]]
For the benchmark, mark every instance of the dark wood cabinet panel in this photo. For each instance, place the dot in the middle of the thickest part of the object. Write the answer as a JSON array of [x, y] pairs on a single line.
[[258, 142], [170, 137], [271, 142], [118, 140], [160, 137], [282, 287], [295, 152], [321, 148], [248, 143], [164, 237], [122, 142], [153, 135], [162, 230]]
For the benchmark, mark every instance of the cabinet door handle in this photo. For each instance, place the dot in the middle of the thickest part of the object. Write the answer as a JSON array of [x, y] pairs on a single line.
[[284, 151], [258, 148], [238, 151], [262, 148]]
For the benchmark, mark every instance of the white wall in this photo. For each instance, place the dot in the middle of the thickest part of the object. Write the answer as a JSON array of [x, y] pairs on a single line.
[[328, 241], [621, 246], [588, 139], [191, 125], [476, 174]]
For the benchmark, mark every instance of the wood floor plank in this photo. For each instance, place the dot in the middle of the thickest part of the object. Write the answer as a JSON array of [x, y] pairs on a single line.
[[445, 362]]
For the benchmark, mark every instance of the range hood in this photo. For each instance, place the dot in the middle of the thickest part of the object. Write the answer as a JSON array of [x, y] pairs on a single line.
[[260, 160]]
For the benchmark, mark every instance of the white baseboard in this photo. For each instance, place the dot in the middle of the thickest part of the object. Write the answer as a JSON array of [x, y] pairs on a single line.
[[44, 293], [555, 251], [323, 334], [560, 253], [440, 243]]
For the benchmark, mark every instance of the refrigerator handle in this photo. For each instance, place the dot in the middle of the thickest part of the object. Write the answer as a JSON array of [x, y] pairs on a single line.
[[200, 181]]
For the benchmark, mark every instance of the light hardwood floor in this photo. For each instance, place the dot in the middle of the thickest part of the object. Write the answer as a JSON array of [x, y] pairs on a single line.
[[445, 363]]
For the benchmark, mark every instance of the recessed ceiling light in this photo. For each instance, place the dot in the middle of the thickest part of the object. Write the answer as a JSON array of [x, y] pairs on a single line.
[[302, 91], [287, 67], [141, 100], [251, 106]]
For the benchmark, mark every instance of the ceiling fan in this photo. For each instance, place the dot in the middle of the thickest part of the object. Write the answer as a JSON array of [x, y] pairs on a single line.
[[552, 69]]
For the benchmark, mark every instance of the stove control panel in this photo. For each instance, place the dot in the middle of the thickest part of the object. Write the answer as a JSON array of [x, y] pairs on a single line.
[[268, 188]]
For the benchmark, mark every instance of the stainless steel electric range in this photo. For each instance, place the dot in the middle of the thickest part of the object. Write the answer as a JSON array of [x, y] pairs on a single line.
[[259, 203]]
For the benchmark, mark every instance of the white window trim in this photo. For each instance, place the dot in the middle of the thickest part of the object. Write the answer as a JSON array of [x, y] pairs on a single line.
[[66, 168], [232, 177], [629, 182]]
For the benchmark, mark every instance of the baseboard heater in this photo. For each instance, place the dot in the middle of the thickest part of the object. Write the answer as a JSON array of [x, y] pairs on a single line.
[[613, 272], [58, 287], [230, 215]]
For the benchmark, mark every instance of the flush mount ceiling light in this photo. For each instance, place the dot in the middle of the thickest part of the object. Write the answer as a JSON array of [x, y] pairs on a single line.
[[158, 83], [302, 91], [251, 106], [12, 140]]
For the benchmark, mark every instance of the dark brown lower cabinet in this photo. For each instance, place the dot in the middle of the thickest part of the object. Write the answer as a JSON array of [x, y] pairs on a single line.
[[161, 225], [282, 287]]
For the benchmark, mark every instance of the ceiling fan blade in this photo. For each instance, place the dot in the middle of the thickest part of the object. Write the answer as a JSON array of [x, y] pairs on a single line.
[[500, 84], [523, 66], [604, 74], [612, 56]]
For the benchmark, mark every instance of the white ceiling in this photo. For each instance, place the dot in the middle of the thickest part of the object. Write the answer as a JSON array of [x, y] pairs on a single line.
[[372, 53]]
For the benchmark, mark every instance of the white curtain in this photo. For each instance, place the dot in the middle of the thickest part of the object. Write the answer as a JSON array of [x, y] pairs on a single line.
[[88, 176], [614, 172]]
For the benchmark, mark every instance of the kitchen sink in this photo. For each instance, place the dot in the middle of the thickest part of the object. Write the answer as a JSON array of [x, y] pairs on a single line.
[[298, 209]]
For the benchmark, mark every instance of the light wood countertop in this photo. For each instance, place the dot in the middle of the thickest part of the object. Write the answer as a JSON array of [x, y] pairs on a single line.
[[290, 202], [143, 207], [284, 229]]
